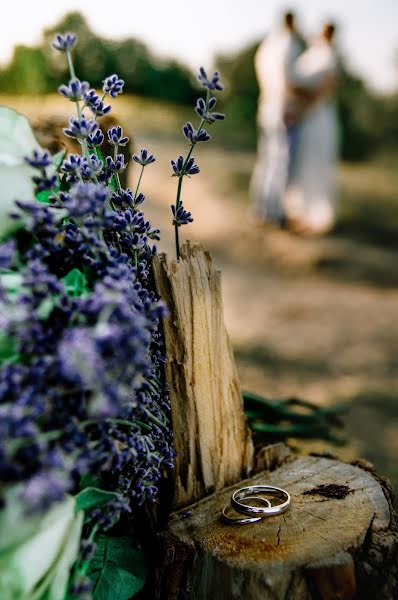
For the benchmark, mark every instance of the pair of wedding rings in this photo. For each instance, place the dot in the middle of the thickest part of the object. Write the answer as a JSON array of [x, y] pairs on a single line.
[[254, 514]]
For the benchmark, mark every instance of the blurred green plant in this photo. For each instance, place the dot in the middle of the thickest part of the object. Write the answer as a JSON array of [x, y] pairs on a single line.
[[38, 70]]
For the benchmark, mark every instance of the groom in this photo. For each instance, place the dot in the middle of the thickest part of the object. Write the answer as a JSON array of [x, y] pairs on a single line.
[[277, 116]]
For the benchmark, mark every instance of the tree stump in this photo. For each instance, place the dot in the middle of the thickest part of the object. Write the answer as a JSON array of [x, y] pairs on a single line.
[[211, 436], [339, 537], [338, 540]]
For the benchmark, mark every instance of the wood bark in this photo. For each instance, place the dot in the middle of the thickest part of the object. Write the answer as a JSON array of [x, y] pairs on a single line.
[[337, 541], [211, 436]]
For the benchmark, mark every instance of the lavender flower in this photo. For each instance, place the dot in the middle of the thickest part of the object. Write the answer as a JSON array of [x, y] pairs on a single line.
[[113, 85], [64, 42], [181, 168], [44, 182], [81, 129], [193, 135], [72, 164], [91, 98], [39, 160], [181, 216], [115, 165], [7, 251], [99, 109], [95, 139], [212, 83], [79, 358], [82, 390], [75, 91], [143, 158], [116, 137], [203, 109]]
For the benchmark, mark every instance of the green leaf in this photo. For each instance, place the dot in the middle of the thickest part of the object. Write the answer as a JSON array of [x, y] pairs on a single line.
[[119, 569], [7, 348], [91, 497], [58, 159], [75, 283], [45, 195], [45, 308]]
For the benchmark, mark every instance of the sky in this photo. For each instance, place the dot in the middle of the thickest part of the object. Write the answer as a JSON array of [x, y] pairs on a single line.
[[193, 31]]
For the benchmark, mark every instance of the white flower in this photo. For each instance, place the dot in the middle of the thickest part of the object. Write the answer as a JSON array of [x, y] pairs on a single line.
[[16, 141], [44, 549]]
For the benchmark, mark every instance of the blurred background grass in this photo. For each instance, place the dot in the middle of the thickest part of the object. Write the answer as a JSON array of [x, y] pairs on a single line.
[[310, 317]]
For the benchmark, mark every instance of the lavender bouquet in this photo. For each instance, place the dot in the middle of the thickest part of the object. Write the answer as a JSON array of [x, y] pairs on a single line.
[[84, 409]]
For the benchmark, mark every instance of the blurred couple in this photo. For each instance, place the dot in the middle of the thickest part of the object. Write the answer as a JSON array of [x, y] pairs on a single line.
[[293, 179]]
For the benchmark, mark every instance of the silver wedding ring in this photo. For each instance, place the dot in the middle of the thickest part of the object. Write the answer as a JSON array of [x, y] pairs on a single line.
[[245, 520], [254, 490]]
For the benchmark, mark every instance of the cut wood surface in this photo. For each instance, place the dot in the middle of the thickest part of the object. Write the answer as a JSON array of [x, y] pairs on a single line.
[[211, 436], [337, 541]]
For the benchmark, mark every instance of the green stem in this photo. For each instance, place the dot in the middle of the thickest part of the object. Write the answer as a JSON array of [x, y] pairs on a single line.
[[79, 110], [139, 181], [83, 567], [178, 199], [116, 174], [154, 419], [117, 422], [70, 64]]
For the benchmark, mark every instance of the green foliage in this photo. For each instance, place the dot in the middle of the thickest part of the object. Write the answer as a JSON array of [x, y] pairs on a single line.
[[119, 569], [91, 497], [40, 69], [75, 283], [240, 99]]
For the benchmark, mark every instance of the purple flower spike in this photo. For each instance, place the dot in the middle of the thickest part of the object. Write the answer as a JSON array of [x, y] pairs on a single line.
[[64, 42], [39, 160], [180, 169], [113, 85], [204, 111], [115, 165], [72, 164], [81, 129], [144, 159], [181, 216], [75, 91], [195, 136], [7, 254], [212, 83], [116, 138], [96, 139]]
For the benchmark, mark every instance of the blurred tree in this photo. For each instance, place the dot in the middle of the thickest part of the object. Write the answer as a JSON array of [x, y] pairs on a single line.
[[357, 110], [38, 70], [241, 94], [28, 73]]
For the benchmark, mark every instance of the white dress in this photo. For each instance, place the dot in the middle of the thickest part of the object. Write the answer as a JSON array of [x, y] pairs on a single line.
[[274, 64], [310, 198]]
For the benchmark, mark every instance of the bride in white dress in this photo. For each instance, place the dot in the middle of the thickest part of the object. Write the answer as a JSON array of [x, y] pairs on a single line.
[[310, 198]]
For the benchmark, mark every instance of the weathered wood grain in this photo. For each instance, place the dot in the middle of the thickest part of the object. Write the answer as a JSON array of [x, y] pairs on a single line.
[[323, 547], [211, 436]]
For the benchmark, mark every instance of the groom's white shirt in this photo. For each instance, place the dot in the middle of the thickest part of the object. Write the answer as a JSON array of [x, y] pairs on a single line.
[[275, 70]]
